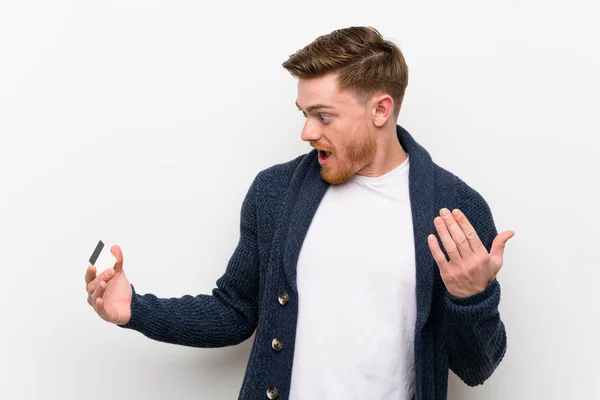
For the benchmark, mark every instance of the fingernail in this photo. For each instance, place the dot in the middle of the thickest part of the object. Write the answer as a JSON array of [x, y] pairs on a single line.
[[109, 273], [445, 212], [439, 222]]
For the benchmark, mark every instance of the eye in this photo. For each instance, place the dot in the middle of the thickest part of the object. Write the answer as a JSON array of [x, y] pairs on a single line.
[[324, 117]]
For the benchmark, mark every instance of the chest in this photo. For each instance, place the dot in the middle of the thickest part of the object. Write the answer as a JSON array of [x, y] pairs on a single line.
[[362, 238]]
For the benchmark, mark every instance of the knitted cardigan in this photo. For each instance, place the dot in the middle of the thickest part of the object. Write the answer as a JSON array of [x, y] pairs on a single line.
[[257, 292]]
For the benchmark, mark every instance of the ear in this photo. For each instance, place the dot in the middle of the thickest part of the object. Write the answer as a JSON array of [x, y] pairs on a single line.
[[383, 108]]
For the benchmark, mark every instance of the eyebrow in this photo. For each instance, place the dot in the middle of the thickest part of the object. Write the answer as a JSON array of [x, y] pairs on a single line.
[[315, 107]]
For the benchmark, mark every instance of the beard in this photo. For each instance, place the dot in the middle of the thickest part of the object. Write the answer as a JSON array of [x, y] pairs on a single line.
[[358, 154]]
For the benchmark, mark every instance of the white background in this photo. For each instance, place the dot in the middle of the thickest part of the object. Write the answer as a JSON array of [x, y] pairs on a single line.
[[142, 123]]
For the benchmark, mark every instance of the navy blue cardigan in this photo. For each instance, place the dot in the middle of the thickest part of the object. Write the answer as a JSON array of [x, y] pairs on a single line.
[[257, 292]]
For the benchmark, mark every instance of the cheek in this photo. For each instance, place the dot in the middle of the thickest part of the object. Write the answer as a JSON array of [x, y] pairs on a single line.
[[344, 135]]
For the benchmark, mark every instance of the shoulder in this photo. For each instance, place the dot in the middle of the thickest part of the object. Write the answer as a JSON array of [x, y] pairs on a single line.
[[274, 180], [469, 201], [446, 180]]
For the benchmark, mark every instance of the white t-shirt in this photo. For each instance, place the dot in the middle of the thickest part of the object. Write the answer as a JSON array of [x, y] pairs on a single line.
[[356, 278]]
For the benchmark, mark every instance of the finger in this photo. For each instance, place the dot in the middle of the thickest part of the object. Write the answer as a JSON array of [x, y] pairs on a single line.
[[499, 243], [99, 292], [90, 274], [437, 253], [103, 277], [447, 240], [116, 251], [100, 308], [470, 233], [456, 232]]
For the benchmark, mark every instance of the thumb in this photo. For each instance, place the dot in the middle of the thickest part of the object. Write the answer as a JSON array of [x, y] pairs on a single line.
[[499, 243], [116, 251]]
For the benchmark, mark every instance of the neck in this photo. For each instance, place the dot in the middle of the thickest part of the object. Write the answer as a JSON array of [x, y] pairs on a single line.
[[388, 156]]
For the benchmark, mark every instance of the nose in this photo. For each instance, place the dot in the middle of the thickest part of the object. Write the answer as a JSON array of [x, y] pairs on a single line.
[[310, 133]]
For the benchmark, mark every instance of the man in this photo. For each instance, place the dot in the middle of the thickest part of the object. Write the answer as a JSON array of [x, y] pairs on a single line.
[[339, 268]]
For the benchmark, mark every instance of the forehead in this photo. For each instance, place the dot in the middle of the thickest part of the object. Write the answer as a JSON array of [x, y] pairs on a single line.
[[323, 90]]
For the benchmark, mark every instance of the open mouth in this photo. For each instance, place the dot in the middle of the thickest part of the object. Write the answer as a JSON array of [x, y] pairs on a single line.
[[324, 155]]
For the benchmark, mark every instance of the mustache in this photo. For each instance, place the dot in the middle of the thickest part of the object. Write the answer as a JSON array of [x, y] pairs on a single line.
[[319, 147]]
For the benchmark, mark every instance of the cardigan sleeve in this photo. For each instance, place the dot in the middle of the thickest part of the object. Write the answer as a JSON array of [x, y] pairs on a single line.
[[226, 317], [477, 339]]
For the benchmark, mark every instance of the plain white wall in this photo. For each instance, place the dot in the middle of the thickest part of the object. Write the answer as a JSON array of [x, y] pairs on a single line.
[[143, 123]]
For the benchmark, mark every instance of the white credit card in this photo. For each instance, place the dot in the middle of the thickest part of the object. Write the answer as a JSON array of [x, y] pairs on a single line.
[[102, 258]]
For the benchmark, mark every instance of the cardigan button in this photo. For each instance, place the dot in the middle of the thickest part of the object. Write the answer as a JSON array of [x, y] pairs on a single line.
[[277, 344], [283, 298], [272, 392]]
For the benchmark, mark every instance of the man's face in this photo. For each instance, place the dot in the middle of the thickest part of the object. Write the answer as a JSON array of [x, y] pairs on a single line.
[[338, 125]]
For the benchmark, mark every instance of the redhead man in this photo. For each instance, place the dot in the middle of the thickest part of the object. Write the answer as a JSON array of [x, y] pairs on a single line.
[[366, 270]]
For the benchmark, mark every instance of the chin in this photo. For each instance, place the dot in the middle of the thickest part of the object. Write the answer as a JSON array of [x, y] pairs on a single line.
[[335, 177]]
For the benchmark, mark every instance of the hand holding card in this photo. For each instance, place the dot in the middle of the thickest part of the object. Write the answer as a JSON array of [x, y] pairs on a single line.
[[109, 293]]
